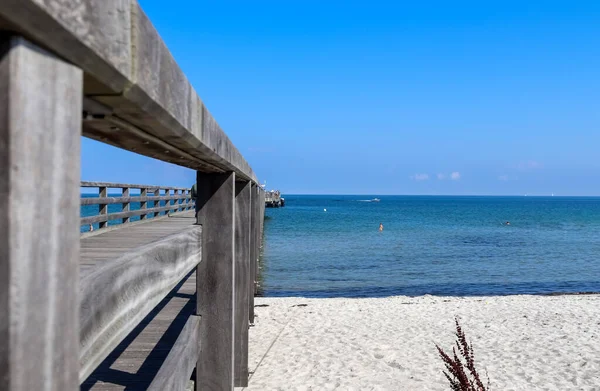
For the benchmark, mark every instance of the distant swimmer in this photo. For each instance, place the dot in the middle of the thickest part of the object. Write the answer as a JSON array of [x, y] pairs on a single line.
[[507, 223], [380, 227]]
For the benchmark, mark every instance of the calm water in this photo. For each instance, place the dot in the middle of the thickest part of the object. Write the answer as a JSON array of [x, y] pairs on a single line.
[[431, 245]]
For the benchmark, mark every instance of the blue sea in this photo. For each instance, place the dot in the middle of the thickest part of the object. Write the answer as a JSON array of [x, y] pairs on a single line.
[[438, 245]]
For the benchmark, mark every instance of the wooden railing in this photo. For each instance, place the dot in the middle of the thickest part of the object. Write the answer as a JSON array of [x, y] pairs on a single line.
[[99, 69], [175, 199]]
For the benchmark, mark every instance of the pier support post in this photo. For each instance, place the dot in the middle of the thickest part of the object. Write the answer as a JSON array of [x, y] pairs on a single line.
[[215, 278], [253, 250], [260, 226], [40, 136], [243, 205]]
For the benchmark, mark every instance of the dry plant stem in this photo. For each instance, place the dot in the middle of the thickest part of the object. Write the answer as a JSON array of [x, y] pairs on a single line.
[[459, 378]]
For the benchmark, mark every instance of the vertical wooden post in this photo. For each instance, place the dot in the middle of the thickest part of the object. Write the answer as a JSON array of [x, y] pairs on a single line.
[[143, 204], [40, 135], [170, 203], [261, 227], [243, 205], [126, 205], [253, 250], [156, 203], [103, 208], [215, 281]]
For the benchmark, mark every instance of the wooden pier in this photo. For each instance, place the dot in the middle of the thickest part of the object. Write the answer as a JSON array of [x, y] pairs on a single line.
[[273, 199], [166, 295]]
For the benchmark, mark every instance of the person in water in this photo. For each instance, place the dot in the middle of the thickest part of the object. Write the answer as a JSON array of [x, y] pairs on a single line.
[[507, 223], [380, 227]]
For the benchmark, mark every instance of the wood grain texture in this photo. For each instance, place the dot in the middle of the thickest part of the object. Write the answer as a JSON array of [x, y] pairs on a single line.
[[140, 198], [95, 35], [171, 217], [215, 280], [135, 363], [125, 205], [243, 204], [177, 369], [39, 246], [252, 267], [122, 215], [115, 185], [118, 294], [130, 71]]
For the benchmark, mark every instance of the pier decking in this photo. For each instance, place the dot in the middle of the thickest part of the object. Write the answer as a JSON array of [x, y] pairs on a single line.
[[134, 363]]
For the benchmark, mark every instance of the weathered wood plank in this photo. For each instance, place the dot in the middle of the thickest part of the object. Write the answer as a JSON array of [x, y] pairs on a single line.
[[136, 361], [243, 206], [175, 373], [113, 185], [95, 35], [125, 207], [143, 203], [121, 215], [140, 198], [116, 240], [40, 125], [215, 280], [102, 208], [118, 294], [253, 249]]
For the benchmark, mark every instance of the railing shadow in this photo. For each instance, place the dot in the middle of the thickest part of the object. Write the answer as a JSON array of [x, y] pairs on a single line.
[[144, 376]]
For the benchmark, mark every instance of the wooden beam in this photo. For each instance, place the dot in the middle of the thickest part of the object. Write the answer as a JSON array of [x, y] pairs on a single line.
[[102, 208], [215, 280], [40, 132], [122, 215], [125, 209], [113, 185], [253, 250], [119, 200], [243, 207], [176, 371], [116, 296]]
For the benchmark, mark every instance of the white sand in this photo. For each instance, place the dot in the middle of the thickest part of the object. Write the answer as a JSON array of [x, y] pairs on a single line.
[[524, 342]]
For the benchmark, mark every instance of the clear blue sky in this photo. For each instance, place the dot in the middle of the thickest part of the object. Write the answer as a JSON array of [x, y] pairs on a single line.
[[389, 97]]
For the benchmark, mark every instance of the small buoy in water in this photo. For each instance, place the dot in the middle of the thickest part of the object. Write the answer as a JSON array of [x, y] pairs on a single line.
[[324, 210]]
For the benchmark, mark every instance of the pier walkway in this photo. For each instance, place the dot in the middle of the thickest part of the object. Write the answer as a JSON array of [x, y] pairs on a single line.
[[134, 363], [166, 293]]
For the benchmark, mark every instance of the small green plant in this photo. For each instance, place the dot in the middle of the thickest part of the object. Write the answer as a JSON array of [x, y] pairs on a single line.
[[462, 379]]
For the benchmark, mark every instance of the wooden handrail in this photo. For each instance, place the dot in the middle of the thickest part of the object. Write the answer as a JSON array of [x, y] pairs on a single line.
[[99, 69], [119, 200], [113, 185], [175, 199]]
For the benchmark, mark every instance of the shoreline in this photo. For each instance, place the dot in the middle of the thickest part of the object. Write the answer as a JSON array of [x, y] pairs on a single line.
[[524, 342], [581, 293]]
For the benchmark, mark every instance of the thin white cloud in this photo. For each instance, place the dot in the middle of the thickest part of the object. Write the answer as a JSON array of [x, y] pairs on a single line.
[[529, 165], [503, 178], [419, 177], [455, 176], [441, 176]]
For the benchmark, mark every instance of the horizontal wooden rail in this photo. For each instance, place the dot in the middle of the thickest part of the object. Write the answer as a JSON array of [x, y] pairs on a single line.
[[112, 185], [117, 295], [177, 368], [175, 199], [122, 215], [119, 200]]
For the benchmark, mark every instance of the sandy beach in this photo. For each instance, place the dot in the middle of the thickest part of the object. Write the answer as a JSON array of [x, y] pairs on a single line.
[[523, 342]]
